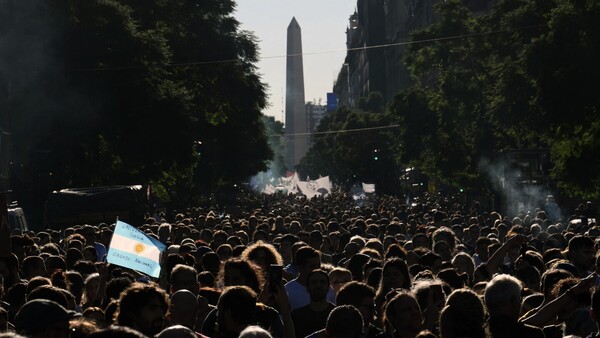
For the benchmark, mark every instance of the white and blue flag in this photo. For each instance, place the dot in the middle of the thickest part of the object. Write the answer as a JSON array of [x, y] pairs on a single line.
[[133, 249]]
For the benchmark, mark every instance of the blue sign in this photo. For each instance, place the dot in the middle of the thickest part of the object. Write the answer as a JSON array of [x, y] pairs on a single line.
[[331, 102]]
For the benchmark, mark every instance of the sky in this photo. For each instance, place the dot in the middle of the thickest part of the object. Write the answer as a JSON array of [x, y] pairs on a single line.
[[323, 24]]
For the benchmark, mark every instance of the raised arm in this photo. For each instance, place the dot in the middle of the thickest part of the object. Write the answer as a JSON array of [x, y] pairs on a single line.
[[550, 310], [493, 264]]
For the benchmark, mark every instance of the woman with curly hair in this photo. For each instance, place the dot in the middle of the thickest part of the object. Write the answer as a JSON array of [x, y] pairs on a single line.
[[238, 271], [263, 255]]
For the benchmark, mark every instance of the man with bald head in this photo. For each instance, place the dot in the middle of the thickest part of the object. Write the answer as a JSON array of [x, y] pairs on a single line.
[[183, 309], [178, 331], [185, 277]]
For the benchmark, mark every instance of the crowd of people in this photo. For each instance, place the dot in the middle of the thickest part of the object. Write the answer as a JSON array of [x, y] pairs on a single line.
[[325, 267]]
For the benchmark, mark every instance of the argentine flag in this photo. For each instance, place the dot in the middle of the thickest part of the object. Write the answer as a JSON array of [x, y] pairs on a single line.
[[133, 249]]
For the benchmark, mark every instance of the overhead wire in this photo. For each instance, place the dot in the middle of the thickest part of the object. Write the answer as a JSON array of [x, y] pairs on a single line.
[[395, 44], [211, 62], [341, 131]]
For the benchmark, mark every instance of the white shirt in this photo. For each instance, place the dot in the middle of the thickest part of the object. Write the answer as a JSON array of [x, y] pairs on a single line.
[[298, 295]]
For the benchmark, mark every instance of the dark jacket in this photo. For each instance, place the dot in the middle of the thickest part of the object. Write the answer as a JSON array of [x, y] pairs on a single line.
[[500, 326]]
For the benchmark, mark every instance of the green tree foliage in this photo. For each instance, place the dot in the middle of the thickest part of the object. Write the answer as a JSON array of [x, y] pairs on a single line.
[[444, 111], [123, 91], [562, 63], [351, 151], [519, 76], [543, 92], [275, 133]]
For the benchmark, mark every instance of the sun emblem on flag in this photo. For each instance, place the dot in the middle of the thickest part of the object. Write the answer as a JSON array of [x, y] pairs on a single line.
[[139, 247]]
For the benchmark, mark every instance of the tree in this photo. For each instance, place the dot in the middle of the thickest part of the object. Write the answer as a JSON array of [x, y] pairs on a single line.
[[120, 91], [275, 133], [545, 91], [519, 76], [444, 116], [351, 151]]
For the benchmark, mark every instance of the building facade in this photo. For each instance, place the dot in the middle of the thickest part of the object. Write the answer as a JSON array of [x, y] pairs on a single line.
[[376, 37]]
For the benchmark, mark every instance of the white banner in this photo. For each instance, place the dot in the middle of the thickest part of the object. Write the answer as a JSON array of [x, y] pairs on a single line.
[[368, 188]]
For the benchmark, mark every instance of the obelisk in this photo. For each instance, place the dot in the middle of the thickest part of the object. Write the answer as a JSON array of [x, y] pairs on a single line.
[[296, 140]]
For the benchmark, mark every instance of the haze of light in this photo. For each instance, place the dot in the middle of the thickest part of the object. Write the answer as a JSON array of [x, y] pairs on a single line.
[[323, 24]]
